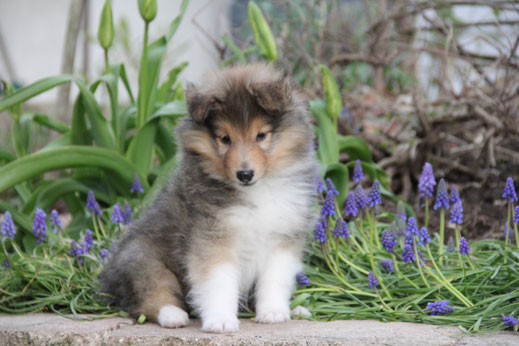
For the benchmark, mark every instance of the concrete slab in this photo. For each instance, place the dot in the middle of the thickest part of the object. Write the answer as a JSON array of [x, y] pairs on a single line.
[[51, 329]]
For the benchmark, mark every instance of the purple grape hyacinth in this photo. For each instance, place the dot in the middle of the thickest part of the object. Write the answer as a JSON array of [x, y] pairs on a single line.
[[88, 241], [331, 187], [117, 215], [389, 240], [127, 214], [387, 264], [320, 231], [103, 254], [464, 246], [92, 204], [424, 237], [341, 229], [455, 195], [358, 174], [351, 205], [361, 200], [516, 214], [374, 195], [509, 321], [411, 226], [328, 206], [439, 307], [442, 198], [39, 226], [408, 254], [457, 213], [76, 251], [372, 280], [427, 182], [509, 194], [8, 229], [302, 280], [136, 184], [55, 221]]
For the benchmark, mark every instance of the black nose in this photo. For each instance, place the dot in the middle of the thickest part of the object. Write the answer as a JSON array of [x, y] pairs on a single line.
[[245, 175]]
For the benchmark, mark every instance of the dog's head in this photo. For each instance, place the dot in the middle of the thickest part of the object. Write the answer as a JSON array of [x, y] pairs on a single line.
[[246, 123]]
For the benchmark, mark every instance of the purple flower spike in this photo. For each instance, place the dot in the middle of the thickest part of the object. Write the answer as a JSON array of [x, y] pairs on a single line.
[[76, 251], [509, 321], [127, 214], [464, 246], [104, 254], [117, 215], [136, 184], [389, 240], [92, 204], [457, 213], [442, 198], [39, 226], [509, 195], [372, 280], [328, 206], [89, 240], [358, 174], [351, 205], [455, 195], [320, 231], [331, 187], [341, 229], [408, 254], [302, 280], [440, 307], [374, 195], [411, 226], [387, 264], [55, 221], [516, 214], [427, 181], [361, 200], [6, 263], [8, 229], [425, 238]]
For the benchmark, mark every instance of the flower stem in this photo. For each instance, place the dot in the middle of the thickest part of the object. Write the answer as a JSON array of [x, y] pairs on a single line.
[[353, 265], [515, 229], [507, 230], [372, 261], [457, 233], [419, 264], [442, 235], [337, 275], [447, 284], [96, 229]]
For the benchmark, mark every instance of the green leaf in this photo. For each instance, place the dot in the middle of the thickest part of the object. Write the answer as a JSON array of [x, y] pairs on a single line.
[[166, 142], [165, 90], [105, 32], [141, 148], [339, 175], [176, 22], [262, 34], [238, 54], [328, 149], [332, 95], [50, 123], [40, 162], [355, 147], [102, 132]]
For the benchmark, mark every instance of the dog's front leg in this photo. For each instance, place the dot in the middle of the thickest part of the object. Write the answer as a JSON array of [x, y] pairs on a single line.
[[216, 299], [275, 286]]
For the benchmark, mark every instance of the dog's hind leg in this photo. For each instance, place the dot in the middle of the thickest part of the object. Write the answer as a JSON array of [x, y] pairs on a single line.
[[160, 300]]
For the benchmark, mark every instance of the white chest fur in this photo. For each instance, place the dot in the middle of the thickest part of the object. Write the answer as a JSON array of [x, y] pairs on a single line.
[[274, 209]]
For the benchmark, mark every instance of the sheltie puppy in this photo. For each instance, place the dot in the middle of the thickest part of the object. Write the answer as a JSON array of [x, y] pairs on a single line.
[[232, 220]]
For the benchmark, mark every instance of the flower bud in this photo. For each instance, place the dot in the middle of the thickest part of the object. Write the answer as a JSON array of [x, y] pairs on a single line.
[[148, 9], [105, 33]]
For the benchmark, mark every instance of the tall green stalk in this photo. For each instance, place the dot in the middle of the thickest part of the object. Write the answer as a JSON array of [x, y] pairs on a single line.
[[442, 235]]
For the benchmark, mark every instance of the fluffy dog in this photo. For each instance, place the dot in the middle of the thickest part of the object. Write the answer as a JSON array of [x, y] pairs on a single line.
[[233, 219]]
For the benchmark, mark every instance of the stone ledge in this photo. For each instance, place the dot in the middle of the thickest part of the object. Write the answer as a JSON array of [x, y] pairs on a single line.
[[51, 329]]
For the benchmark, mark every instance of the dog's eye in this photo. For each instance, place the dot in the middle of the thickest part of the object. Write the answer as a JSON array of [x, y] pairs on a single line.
[[260, 136], [226, 139]]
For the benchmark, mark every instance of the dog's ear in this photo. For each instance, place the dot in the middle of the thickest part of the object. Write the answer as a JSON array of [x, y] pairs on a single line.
[[199, 105], [274, 97]]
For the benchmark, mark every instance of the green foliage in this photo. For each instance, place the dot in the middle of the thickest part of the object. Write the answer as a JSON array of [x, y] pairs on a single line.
[[96, 151], [262, 34]]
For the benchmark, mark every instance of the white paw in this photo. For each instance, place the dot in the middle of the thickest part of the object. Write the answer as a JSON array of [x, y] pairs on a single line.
[[272, 316], [171, 316], [221, 325], [301, 311]]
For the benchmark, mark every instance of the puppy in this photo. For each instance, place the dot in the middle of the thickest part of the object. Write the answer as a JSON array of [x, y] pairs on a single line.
[[232, 220]]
